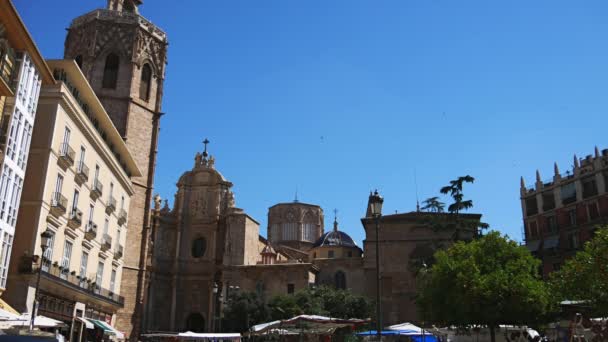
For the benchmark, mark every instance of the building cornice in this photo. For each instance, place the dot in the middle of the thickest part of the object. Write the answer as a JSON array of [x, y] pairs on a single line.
[[20, 39]]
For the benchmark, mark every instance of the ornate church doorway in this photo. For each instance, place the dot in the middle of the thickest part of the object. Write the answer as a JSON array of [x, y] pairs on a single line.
[[195, 322]]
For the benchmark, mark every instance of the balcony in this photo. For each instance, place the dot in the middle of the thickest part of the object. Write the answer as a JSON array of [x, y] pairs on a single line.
[[8, 66], [82, 173], [58, 204], [118, 252], [96, 190], [111, 205], [122, 217], [69, 279], [90, 232], [75, 220], [106, 242], [67, 156]]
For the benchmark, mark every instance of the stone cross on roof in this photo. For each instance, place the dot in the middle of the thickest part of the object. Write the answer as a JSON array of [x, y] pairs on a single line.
[[205, 142]]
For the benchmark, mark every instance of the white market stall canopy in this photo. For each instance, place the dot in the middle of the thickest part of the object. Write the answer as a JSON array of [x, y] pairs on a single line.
[[311, 324], [189, 335], [408, 328], [40, 321]]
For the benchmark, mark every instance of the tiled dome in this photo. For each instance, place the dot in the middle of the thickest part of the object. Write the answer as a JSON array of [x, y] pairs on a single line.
[[335, 238]]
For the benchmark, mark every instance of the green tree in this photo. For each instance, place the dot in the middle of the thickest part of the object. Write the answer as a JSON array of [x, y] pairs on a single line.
[[433, 205], [243, 310], [457, 222], [585, 276], [246, 309], [455, 191], [488, 281]]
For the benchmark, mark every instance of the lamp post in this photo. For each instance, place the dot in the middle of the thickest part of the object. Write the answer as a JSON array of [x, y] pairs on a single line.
[[215, 291], [44, 244], [375, 201]]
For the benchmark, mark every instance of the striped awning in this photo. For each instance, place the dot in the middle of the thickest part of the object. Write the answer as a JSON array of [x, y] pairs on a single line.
[[101, 325], [108, 329], [86, 322]]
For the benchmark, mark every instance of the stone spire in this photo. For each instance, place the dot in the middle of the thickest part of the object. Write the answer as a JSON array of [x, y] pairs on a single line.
[[522, 183], [555, 169], [576, 162], [335, 220], [597, 152], [538, 180]]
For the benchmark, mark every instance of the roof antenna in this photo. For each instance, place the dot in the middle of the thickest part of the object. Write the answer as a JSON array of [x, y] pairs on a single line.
[[416, 185], [296, 198]]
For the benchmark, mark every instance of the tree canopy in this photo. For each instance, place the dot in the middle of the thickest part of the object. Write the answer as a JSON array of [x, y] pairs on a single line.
[[248, 308], [433, 204], [488, 281], [454, 189], [462, 227], [584, 277]]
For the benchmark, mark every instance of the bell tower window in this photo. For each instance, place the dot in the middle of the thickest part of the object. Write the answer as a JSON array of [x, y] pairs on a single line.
[[110, 72], [144, 85]]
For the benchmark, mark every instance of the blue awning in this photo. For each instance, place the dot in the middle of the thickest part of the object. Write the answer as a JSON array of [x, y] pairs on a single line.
[[415, 336], [383, 333]]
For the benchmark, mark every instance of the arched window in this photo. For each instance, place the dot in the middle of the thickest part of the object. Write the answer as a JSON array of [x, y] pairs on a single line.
[[309, 227], [198, 247], [195, 322], [146, 81], [110, 72], [340, 280], [78, 60]]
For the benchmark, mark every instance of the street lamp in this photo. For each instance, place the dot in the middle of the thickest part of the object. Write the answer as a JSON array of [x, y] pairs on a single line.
[[45, 237], [375, 202], [215, 289]]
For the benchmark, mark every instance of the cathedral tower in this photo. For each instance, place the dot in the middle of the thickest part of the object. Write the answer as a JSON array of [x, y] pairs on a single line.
[[123, 56]]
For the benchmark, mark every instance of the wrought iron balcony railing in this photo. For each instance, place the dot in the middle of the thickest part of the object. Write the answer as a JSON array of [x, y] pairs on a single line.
[[106, 242], [118, 252], [97, 189], [111, 205], [58, 204], [90, 231], [82, 173], [54, 272], [67, 156], [75, 220], [122, 217]]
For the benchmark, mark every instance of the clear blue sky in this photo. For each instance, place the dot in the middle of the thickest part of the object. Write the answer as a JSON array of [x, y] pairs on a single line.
[[340, 97]]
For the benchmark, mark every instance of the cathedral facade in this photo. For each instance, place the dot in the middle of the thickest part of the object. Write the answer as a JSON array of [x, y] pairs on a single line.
[[205, 247]]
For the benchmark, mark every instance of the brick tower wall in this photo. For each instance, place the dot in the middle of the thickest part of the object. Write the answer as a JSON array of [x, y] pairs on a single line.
[[91, 38]]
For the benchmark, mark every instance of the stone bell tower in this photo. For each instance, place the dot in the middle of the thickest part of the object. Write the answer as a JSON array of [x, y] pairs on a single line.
[[123, 56]]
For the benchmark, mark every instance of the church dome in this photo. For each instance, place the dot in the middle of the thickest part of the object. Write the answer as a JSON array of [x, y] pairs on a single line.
[[335, 238]]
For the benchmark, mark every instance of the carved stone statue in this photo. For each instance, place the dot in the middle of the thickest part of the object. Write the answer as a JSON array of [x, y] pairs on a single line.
[[157, 202], [230, 202], [198, 160]]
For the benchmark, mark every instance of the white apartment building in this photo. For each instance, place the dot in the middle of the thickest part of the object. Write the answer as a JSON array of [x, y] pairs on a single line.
[[22, 72]]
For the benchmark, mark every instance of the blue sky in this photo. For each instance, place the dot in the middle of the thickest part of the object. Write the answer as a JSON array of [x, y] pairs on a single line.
[[340, 97]]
